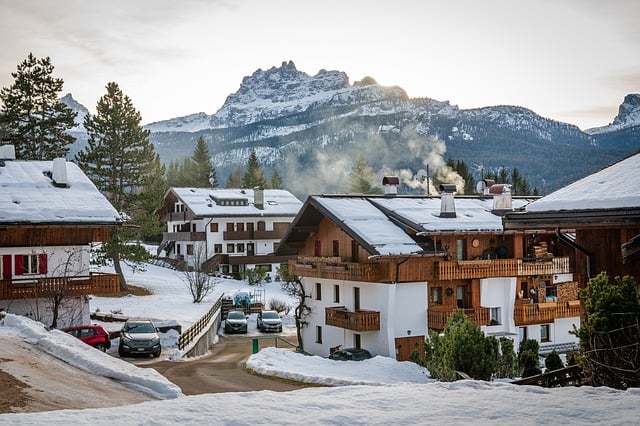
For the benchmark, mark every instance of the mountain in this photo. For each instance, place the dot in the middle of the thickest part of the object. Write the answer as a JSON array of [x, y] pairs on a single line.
[[312, 128], [78, 130]]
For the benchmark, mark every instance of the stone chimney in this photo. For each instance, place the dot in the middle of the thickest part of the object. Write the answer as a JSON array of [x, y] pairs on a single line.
[[390, 185], [447, 203], [59, 173], [501, 198], [258, 197]]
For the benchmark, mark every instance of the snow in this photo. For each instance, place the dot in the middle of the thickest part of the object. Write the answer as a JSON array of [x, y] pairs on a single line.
[[377, 391]]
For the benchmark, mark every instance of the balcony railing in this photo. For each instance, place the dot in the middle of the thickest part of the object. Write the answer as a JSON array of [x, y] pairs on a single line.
[[31, 288], [540, 313], [333, 268], [352, 320], [484, 268], [184, 236], [437, 318]]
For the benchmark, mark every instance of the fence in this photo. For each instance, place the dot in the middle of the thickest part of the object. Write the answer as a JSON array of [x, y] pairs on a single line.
[[194, 331]]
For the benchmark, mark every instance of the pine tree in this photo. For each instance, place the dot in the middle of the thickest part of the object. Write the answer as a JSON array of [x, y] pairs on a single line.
[[461, 168], [361, 178], [276, 180], [121, 162], [32, 116], [254, 175], [234, 180], [203, 172]]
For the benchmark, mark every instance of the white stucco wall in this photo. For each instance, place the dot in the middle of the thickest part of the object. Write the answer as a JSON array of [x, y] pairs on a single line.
[[499, 293], [75, 310], [61, 260]]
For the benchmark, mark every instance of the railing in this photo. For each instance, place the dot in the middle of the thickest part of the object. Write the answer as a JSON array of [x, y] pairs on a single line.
[[31, 288], [352, 320], [335, 269], [184, 236], [539, 313], [437, 319], [483, 268], [194, 331]]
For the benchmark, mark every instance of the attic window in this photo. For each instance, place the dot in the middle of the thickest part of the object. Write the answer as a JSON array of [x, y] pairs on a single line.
[[230, 201]]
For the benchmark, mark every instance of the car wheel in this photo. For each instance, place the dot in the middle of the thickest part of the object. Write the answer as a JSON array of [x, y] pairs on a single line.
[[156, 355], [122, 353], [101, 346]]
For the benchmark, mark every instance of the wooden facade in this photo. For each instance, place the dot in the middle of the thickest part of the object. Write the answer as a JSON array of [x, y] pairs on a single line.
[[51, 235]]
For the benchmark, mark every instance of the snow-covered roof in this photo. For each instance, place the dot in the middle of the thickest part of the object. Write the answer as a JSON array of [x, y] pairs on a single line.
[[472, 214], [372, 225], [204, 202], [28, 196], [615, 187]]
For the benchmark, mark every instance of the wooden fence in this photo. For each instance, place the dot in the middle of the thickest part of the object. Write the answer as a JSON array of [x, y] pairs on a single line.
[[194, 331]]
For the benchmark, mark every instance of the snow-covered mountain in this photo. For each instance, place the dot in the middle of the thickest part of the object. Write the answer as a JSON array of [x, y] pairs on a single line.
[[78, 108], [628, 116], [311, 128]]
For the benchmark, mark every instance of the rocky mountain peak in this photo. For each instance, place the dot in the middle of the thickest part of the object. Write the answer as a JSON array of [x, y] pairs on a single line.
[[629, 111]]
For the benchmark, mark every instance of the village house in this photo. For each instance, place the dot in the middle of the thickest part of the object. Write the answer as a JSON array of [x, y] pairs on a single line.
[[597, 216], [227, 230], [381, 270], [50, 215]]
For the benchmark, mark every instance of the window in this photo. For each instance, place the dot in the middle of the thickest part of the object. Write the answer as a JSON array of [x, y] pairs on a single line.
[[460, 296], [354, 251], [317, 251], [336, 248], [356, 298], [357, 342], [544, 333], [318, 291], [229, 227], [495, 316], [213, 227], [265, 268], [217, 248], [461, 249], [235, 269], [435, 295], [262, 226], [336, 293], [190, 249], [30, 264], [239, 226], [225, 269], [318, 334], [193, 227], [231, 248], [240, 247]]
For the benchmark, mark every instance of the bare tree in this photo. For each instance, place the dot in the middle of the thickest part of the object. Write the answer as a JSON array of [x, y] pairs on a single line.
[[196, 277], [292, 286]]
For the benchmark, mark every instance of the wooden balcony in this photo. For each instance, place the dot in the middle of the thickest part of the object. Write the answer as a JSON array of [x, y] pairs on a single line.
[[31, 288], [352, 320], [334, 268], [486, 268], [184, 236], [540, 313], [437, 318]]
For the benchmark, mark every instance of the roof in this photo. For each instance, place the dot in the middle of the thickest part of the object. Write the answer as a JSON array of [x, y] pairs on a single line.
[[394, 225], [213, 202], [29, 196]]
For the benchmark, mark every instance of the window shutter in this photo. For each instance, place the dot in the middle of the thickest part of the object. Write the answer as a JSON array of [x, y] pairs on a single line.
[[42, 263], [6, 267], [17, 263]]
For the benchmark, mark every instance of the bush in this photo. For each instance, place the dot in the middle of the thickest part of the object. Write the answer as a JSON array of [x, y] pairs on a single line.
[[507, 362], [254, 276], [279, 305], [528, 358], [553, 361]]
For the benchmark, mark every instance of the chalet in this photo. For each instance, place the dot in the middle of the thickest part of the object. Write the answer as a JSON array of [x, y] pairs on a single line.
[[598, 217], [50, 214], [230, 229], [380, 270]]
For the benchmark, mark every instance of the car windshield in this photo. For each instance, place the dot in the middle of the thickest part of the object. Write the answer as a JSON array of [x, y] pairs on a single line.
[[235, 315], [141, 327], [270, 315]]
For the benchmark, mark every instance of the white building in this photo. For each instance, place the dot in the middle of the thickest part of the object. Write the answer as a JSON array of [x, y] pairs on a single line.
[[229, 229]]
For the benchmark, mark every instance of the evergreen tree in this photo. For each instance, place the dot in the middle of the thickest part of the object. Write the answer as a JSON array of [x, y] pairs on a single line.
[[120, 161], [507, 361], [276, 180], [553, 361], [234, 180], [254, 175], [461, 168], [361, 178], [528, 358], [32, 116], [519, 185], [173, 174], [610, 333], [203, 173]]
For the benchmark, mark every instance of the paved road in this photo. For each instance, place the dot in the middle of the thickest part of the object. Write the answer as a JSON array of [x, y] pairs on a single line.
[[220, 371]]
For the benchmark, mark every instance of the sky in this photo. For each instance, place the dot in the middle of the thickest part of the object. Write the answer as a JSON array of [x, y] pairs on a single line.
[[569, 60], [376, 391]]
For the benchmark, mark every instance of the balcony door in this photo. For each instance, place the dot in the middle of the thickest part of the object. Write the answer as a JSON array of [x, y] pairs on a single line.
[[250, 250], [462, 297]]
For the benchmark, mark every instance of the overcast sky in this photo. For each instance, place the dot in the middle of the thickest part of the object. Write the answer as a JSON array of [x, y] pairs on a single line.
[[570, 60]]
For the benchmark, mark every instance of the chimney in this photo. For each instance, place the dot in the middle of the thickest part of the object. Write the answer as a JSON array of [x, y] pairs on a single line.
[[390, 185], [258, 197], [448, 205], [59, 173], [7, 152], [501, 198]]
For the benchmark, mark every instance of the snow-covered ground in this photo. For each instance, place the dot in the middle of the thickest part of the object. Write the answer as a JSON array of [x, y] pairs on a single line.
[[376, 391]]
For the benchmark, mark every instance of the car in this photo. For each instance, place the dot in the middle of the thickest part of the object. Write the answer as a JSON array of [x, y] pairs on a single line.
[[350, 354], [139, 337], [92, 334], [269, 321], [236, 322]]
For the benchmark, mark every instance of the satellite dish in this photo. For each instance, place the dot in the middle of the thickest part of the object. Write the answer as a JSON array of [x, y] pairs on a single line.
[[422, 175], [480, 187]]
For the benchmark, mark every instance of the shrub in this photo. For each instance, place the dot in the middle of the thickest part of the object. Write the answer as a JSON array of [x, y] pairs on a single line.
[[279, 305], [553, 361]]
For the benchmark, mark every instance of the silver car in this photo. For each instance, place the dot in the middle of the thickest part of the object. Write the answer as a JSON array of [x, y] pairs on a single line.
[[269, 321]]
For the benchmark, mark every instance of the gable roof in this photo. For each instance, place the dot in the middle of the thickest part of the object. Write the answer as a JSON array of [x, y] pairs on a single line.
[[213, 202], [28, 196]]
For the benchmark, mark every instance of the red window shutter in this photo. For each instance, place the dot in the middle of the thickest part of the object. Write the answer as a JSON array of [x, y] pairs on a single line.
[[6, 267], [42, 263], [17, 264]]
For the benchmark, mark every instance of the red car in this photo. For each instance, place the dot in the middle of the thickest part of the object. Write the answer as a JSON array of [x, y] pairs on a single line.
[[93, 335]]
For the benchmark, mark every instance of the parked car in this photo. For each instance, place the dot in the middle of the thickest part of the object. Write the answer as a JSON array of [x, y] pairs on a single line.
[[139, 337], [269, 321], [350, 354], [236, 322], [92, 334]]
